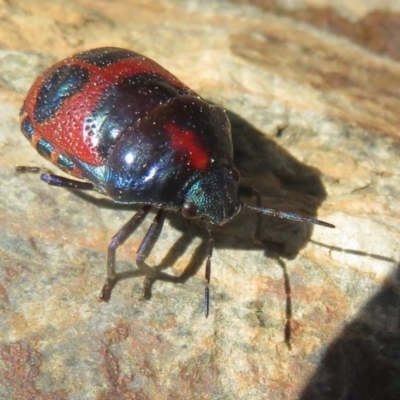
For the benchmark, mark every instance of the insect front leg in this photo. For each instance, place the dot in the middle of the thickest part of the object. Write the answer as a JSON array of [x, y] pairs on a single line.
[[145, 248], [119, 239]]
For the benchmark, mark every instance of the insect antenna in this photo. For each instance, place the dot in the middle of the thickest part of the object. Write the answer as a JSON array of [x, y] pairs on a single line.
[[288, 215]]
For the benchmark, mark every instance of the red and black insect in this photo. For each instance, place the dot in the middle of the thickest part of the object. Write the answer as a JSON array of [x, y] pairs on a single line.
[[132, 131]]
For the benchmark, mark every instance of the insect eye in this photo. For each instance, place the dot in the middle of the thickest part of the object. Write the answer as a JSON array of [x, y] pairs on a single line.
[[235, 175], [189, 210]]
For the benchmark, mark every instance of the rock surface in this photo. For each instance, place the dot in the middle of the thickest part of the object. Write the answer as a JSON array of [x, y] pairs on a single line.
[[313, 92]]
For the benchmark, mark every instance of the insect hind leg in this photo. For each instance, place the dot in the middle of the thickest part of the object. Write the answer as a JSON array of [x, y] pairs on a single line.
[[60, 181], [55, 180]]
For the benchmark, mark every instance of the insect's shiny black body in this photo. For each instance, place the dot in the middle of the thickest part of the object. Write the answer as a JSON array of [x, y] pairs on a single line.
[[135, 133]]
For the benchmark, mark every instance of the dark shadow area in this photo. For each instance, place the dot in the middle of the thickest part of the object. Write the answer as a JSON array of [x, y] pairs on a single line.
[[364, 361]]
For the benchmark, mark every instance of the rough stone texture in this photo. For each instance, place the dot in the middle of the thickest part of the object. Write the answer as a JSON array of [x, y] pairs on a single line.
[[313, 91]]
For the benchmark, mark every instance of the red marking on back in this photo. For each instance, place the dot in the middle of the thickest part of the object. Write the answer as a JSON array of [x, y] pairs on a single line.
[[186, 140], [65, 130]]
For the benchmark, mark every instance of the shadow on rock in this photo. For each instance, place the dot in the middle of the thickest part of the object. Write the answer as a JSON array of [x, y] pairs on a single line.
[[364, 361]]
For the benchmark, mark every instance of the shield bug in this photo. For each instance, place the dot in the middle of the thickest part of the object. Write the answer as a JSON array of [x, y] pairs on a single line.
[[130, 130]]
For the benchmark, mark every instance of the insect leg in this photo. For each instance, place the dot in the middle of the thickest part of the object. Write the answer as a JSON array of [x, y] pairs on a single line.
[[55, 180], [118, 239], [145, 248], [25, 169], [60, 181]]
